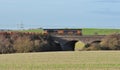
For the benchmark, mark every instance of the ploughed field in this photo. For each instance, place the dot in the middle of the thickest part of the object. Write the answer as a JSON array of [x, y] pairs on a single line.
[[78, 60]]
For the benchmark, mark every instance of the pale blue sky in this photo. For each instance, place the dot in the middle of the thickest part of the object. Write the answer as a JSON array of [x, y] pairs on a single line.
[[60, 13]]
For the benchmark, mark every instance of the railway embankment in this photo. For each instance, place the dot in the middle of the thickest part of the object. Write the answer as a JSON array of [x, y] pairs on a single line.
[[20, 42]]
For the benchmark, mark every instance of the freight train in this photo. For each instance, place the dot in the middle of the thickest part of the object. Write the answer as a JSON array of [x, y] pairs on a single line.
[[63, 31]]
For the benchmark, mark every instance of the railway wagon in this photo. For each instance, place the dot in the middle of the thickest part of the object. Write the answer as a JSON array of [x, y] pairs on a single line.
[[63, 31]]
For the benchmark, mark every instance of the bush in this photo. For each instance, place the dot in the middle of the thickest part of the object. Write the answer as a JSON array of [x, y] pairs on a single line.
[[111, 42], [47, 46], [93, 46], [23, 44], [40, 46], [44, 46], [79, 46], [36, 45], [11, 42], [5, 45]]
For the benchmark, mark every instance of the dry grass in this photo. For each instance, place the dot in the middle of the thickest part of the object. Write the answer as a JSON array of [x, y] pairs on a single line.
[[84, 60]]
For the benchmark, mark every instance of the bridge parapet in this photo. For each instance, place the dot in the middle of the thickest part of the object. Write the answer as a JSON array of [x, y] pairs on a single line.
[[67, 42], [85, 39]]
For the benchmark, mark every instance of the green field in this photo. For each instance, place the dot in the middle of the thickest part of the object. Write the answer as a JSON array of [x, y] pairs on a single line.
[[32, 30], [84, 60], [93, 31]]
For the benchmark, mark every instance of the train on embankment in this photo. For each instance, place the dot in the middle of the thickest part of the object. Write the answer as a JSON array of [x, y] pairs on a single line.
[[63, 31]]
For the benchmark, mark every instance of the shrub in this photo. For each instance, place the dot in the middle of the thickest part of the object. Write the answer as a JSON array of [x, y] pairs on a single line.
[[23, 44], [6, 46], [79, 46], [26, 42], [47, 46], [111, 42], [37, 46], [44, 46], [93, 46]]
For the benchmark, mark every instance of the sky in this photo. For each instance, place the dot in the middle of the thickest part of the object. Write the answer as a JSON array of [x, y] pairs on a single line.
[[59, 14]]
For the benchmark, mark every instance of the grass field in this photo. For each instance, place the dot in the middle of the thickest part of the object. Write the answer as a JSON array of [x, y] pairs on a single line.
[[32, 30], [84, 60], [92, 31]]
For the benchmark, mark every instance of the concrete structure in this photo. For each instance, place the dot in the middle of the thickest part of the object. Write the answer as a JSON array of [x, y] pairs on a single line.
[[67, 42]]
